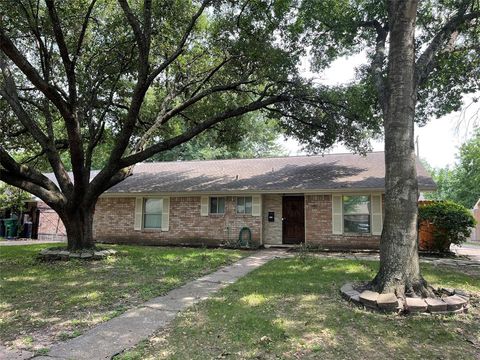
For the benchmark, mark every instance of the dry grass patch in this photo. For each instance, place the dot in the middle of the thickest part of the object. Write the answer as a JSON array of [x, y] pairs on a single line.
[[43, 302]]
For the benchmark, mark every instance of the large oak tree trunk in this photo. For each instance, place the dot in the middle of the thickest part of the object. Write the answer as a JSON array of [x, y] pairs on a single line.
[[79, 227], [399, 266]]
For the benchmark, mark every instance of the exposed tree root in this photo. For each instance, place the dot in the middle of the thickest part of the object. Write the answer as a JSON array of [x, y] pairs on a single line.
[[402, 288]]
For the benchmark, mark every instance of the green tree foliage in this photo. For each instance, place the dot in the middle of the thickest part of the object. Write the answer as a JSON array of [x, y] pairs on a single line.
[[251, 137], [447, 63], [452, 222], [461, 183], [13, 198], [107, 84]]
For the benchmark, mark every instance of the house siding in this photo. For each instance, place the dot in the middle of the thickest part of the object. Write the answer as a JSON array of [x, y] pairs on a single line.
[[318, 227], [114, 222]]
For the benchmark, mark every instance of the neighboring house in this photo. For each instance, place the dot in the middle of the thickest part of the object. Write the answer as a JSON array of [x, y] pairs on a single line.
[[332, 201], [476, 230]]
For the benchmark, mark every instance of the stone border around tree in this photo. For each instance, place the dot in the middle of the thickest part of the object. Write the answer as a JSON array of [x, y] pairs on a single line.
[[449, 301], [64, 254]]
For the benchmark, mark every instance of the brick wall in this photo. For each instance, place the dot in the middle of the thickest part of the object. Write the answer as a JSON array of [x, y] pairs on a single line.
[[50, 227], [114, 220], [272, 231], [318, 227]]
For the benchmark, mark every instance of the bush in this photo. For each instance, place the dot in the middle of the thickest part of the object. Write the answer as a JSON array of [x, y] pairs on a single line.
[[452, 222]]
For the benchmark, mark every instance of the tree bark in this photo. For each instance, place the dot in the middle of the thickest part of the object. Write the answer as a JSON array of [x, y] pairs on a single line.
[[78, 223], [399, 266]]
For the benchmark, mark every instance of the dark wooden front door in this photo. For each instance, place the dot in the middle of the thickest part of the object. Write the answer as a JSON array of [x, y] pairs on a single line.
[[293, 217]]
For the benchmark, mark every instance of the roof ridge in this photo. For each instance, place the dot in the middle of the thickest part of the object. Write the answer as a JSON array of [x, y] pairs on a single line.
[[257, 158]]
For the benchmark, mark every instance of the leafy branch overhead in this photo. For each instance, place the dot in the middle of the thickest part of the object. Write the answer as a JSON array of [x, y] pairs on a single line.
[[126, 80], [12, 198], [447, 65], [78, 74]]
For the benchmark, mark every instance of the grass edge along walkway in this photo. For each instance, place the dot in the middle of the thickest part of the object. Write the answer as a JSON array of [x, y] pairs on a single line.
[[125, 331]]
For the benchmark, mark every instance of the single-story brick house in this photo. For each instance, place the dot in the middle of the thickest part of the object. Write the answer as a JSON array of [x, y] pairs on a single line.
[[333, 201]]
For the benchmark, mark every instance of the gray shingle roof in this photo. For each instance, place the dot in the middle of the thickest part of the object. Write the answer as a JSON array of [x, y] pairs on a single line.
[[283, 174]]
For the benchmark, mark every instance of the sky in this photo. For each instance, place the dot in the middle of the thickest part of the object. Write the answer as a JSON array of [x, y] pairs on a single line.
[[438, 140]]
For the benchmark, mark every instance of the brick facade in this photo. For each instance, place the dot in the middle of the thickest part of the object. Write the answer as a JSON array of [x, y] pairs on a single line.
[[318, 227], [114, 222], [50, 227], [115, 216]]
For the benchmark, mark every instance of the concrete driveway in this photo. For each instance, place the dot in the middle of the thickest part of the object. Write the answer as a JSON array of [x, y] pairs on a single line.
[[470, 250]]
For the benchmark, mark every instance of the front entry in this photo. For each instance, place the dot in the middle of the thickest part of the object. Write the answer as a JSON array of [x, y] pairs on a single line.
[[293, 211]]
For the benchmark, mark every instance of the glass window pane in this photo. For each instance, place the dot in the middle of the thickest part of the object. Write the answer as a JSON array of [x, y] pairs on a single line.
[[213, 205], [357, 204], [248, 205], [356, 223], [221, 205], [152, 221], [240, 205], [153, 206]]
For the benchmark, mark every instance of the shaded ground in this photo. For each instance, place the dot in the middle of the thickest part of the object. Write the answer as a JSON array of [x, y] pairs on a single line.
[[292, 309], [45, 302]]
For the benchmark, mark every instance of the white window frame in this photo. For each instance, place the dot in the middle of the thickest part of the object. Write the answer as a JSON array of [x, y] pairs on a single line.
[[144, 213], [244, 212], [369, 215], [210, 205]]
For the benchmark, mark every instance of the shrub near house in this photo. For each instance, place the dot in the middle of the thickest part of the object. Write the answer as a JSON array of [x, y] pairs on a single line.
[[448, 222]]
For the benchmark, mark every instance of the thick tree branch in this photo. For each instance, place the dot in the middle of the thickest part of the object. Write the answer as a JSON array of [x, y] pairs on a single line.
[[170, 143], [25, 172], [377, 67], [166, 116], [51, 197], [140, 38], [156, 71], [11, 51], [59, 145], [81, 37], [426, 62], [64, 54], [9, 93]]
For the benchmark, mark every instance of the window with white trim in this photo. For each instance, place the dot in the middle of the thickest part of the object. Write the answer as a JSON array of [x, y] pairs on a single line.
[[244, 205], [217, 205], [152, 213], [356, 214]]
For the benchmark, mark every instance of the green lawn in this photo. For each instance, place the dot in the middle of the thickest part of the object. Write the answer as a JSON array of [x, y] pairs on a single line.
[[291, 309], [44, 302]]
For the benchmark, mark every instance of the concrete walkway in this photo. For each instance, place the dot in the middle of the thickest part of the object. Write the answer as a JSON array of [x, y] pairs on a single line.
[[471, 261], [29, 242], [125, 331]]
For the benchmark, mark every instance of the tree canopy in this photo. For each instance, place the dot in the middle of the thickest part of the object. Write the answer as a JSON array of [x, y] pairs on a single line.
[[106, 84], [251, 137], [461, 183]]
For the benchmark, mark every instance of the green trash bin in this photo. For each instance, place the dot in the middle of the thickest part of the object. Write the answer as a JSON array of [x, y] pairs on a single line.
[[10, 228]]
